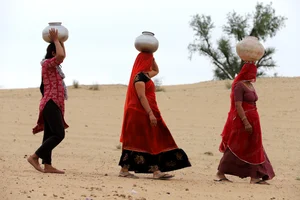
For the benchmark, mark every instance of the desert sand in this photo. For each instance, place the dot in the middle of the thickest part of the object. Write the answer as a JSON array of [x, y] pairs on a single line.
[[194, 113]]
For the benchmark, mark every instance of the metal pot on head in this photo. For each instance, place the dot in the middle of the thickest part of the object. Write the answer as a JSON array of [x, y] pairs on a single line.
[[63, 33], [146, 42], [250, 49]]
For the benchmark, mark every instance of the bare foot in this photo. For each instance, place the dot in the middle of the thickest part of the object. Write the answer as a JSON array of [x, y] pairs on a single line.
[[50, 169], [161, 175], [221, 177], [34, 161], [127, 175], [124, 169]]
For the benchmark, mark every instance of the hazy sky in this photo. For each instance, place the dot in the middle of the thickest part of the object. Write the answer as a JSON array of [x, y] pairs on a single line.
[[100, 48]]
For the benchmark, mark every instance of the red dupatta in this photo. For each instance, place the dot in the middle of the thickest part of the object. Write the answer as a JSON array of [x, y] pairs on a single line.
[[247, 147], [143, 63]]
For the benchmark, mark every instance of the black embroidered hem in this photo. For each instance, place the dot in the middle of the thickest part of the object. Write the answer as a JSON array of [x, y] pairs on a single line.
[[140, 162]]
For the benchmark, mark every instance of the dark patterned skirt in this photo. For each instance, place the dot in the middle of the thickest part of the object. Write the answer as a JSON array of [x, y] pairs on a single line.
[[141, 162], [232, 165]]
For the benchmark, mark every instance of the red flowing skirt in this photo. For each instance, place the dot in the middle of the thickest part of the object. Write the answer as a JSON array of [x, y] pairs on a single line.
[[230, 164], [138, 135], [247, 147]]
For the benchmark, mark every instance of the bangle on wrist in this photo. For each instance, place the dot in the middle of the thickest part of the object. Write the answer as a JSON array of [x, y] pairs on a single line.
[[244, 118], [149, 111]]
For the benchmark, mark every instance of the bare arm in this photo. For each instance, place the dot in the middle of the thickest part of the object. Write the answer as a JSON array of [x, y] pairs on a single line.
[[241, 112], [140, 89], [155, 69], [60, 53], [63, 46]]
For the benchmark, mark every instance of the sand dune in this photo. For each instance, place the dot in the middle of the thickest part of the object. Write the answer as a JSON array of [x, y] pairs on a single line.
[[195, 114]]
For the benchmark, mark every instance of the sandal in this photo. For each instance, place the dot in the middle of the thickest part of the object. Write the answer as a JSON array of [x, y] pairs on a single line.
[[261, 182], [223, 180], [162, 176], [127, 175]]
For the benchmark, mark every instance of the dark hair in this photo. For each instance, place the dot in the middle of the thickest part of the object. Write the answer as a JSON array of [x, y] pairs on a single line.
[[51, 48]]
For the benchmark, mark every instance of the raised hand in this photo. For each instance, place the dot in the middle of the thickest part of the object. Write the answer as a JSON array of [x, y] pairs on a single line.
[[53, 34]]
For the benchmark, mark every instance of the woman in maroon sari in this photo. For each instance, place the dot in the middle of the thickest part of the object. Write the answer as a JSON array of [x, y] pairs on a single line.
[[244, 154], [148, 146]]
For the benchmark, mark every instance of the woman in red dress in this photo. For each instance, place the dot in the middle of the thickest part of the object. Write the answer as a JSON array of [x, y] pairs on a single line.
[[51, 115], [148, 146], [244, 154]]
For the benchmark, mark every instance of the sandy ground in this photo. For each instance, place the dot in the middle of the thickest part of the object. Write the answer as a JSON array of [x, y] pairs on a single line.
[[195, 115]]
